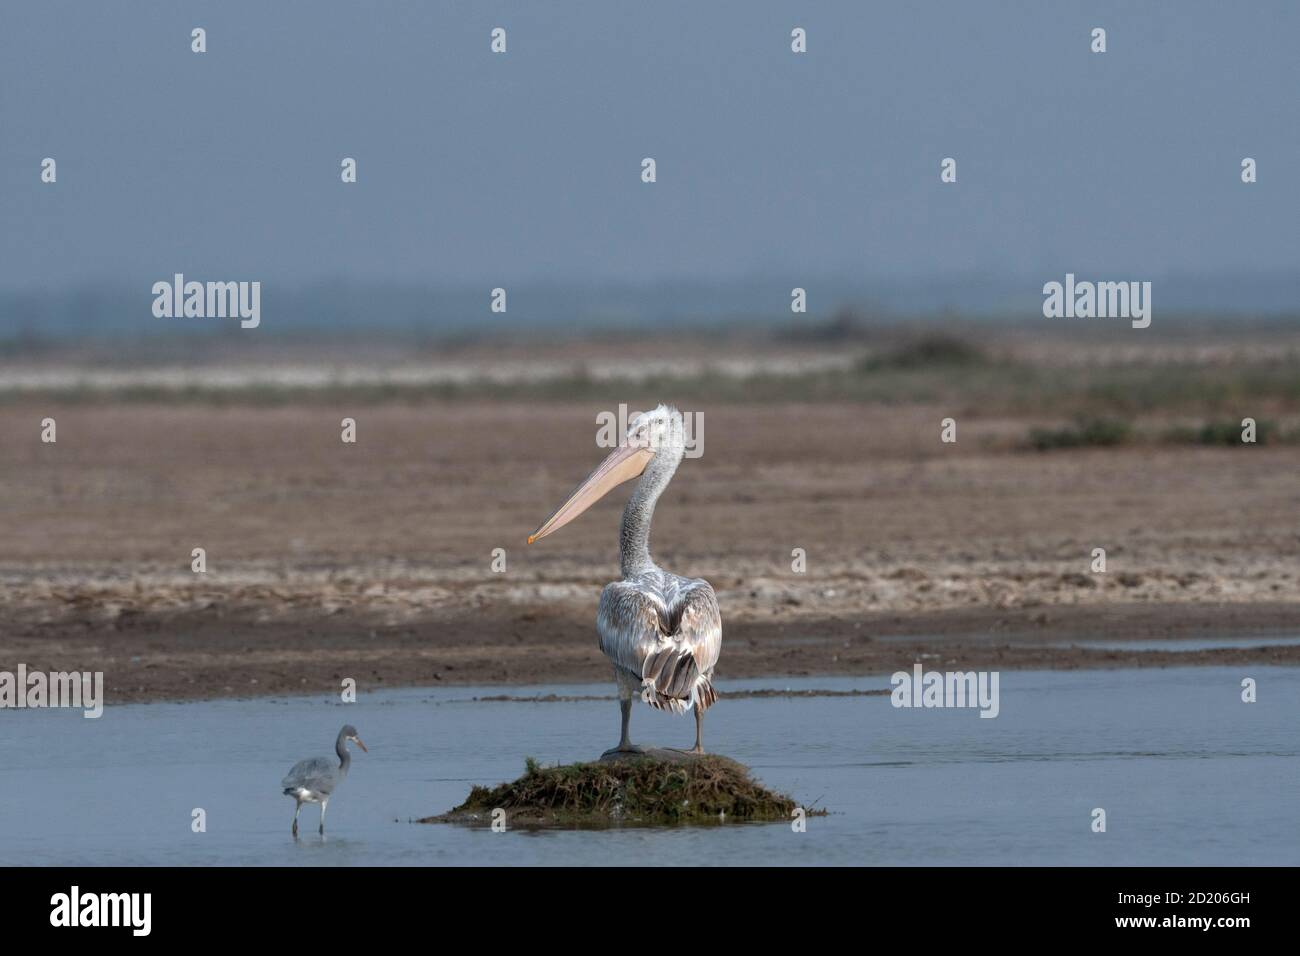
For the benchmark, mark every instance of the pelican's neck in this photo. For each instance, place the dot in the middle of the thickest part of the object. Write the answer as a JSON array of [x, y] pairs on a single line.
[[634, 534], [345, 757]]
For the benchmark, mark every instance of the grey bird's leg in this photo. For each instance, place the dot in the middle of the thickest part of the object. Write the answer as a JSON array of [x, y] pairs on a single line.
[[323, 805], [296, 810]]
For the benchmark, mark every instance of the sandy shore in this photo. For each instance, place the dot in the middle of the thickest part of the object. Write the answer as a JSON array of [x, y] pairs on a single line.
[[374, 561]]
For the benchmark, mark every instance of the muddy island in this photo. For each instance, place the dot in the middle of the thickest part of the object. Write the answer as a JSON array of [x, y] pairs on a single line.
[[659, 787]]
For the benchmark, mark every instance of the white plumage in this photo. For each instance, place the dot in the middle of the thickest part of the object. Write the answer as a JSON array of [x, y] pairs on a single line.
[[661, 631]]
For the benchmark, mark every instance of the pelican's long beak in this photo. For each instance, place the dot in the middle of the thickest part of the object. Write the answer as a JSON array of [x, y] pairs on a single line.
[[361, 745], [624, 463]]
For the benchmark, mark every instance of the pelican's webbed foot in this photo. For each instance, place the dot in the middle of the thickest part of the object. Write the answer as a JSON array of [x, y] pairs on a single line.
[[624, 748]]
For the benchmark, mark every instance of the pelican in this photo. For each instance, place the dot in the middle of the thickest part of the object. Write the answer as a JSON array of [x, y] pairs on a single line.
[[661, 631]]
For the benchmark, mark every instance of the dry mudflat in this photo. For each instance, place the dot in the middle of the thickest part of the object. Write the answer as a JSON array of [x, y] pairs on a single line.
[[374, 560]]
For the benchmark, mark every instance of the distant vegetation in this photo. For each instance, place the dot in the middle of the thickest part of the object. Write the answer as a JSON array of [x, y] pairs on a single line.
[[1108, 396], [964, 379], [1086, 432], [1229, 433], [1102, 432], [935, 350]]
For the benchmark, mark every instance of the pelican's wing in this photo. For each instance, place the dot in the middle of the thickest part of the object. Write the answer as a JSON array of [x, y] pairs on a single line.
[[671, 637], [677, 674], [318, 774], [628, 623]]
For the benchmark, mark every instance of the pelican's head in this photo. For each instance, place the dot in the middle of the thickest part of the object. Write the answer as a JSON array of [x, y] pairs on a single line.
[[655, 440], [662, 430]]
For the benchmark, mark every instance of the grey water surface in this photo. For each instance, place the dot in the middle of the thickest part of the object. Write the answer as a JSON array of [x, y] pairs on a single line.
[[1187, 773]]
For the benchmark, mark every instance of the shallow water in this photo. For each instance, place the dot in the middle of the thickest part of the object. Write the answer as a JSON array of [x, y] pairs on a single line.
[[1188, 644], [1186, 772]]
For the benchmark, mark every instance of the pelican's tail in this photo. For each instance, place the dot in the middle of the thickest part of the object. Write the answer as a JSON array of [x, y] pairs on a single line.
[[705, 695], [671, 680]]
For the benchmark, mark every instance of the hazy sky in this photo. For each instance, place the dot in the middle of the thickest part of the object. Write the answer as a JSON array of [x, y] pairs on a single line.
[[516, 167]]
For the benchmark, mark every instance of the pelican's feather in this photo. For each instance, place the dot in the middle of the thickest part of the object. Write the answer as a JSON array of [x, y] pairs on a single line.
[[666, 630]]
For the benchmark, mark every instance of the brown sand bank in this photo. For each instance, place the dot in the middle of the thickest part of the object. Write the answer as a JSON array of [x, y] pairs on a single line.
[[374, 560]]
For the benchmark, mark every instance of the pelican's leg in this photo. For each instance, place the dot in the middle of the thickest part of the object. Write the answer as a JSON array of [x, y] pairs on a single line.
[[625, 745], [699, 731], [625, 711], [296, 810]]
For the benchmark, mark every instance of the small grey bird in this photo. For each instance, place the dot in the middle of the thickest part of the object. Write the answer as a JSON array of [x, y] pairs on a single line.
[[315, 779]]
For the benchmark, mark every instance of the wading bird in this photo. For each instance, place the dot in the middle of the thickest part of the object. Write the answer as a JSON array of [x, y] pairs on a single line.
[[663, 632], [315, 779]]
